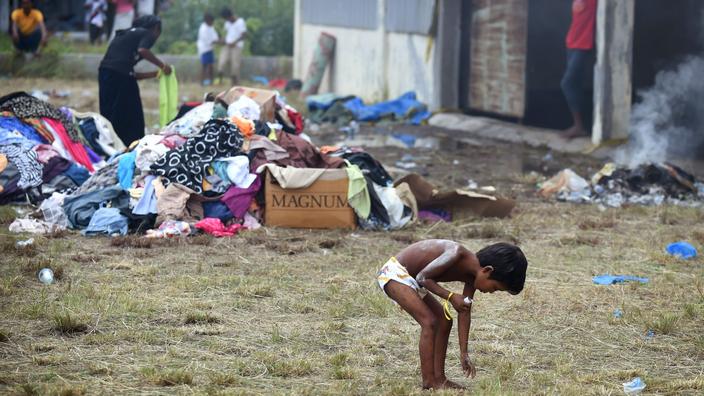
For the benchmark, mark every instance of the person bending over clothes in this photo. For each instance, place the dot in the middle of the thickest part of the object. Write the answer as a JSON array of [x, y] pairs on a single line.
[[118, 90], [417, 270], [28, 29]]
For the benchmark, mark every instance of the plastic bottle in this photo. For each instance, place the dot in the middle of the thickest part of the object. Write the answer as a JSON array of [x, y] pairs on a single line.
[[46, 276]]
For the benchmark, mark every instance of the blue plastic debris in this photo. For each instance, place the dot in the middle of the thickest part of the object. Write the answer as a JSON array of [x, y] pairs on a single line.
[[261, 80], [650, 334], [405, 106], [682, 250], [408, 140], [614, 279], [634, 387], [618, 314]]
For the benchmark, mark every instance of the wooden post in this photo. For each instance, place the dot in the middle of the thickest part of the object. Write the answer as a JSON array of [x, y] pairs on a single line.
[[612, 76]]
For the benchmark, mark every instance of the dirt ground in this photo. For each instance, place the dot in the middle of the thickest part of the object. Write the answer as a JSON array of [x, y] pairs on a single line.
[[279, 311]]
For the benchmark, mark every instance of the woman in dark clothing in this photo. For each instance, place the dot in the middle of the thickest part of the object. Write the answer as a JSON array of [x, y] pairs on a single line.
[[119, 93]]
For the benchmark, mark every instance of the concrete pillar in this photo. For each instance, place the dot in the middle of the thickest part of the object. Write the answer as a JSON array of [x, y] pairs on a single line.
[[448, 52], [298, 71], [612, 76]]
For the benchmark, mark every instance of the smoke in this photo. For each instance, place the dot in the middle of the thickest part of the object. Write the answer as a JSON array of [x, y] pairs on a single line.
[[668, 121]]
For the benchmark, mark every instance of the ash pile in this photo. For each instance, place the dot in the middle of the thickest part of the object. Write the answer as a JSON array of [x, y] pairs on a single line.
[[615, 186]]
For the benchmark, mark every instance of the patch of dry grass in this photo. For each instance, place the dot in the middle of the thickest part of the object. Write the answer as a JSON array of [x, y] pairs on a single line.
[[298, 312]]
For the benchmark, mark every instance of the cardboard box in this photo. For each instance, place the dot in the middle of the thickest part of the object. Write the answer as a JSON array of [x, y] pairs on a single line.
[[265, 98], [323, 204], [462, 204]]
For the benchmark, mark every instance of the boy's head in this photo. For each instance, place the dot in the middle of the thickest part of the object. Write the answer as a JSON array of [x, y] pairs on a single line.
[[208, 19], [26, 6], [503, 268], [226, 13]]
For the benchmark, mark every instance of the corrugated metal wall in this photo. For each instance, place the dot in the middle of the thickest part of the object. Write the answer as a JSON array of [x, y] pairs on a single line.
[[358, 14], [409, 16], [497, 81]]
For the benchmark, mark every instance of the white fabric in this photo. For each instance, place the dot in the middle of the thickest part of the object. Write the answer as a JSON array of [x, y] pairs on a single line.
[[291, 177], [394, 206], [238, 171], [207, 35], [101, 7], [148, 151], [33, 226], [245, 107], [234, 31], [192, 122]]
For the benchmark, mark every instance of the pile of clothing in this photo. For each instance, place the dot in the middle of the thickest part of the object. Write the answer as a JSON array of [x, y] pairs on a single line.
[[202, 173], [46, 150]]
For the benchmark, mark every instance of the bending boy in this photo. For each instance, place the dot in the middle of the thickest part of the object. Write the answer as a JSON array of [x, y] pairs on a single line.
[[419, 268]]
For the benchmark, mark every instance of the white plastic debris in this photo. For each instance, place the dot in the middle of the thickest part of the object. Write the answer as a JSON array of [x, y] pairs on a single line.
[[46, 276]]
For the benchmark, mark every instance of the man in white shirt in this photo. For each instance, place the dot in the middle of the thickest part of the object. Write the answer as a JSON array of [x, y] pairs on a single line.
[[235, 34], [207, 36], [96, 10]]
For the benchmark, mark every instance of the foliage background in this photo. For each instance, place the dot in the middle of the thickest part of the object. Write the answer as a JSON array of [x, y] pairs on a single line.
[[270, 25]]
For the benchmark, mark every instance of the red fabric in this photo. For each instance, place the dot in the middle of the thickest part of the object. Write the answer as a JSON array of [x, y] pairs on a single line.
[[278, 83], [216, 228], [76, 150], [295, 118], [581, 34]]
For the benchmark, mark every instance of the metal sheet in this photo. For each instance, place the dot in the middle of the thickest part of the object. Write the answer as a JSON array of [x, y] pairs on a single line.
[[497, 82], [358, 14], [409, 16]]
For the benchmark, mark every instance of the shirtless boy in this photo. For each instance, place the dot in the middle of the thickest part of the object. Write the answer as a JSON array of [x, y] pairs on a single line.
[[419, 268]]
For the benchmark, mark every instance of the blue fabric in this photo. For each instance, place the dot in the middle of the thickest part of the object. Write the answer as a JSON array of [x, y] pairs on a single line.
[[682, 250], [406, 106], [14, 124], [80, 208], [77, 174], [107, 221], [324, 101], [207, 58], [125, 169], [261, 80], [613, 279], [408, 140], [217, 210], [146, 204], [220, 168], [575, 78]]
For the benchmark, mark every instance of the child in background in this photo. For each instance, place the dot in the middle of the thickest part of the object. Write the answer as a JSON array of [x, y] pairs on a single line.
[[96, 19], [417, 269], [207, 36]]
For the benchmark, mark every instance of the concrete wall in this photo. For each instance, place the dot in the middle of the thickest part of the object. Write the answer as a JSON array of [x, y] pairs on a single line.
[[372, 64], [187, 67]]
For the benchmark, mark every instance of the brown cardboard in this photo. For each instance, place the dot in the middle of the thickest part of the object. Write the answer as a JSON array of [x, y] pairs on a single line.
[[323, 204], [265, 98], [462, 204]]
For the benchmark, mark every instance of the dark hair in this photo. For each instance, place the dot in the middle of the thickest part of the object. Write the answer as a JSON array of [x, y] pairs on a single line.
[[509, 265], [226, 13], [208, 17], [147, 22]]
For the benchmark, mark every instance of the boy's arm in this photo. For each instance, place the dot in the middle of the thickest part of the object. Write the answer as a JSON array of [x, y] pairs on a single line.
[[464, 322], [436, 268]]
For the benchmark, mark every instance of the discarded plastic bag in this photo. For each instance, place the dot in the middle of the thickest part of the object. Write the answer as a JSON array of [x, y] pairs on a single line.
[[566, 180], [682, 250], [614, 279], [634, 387]]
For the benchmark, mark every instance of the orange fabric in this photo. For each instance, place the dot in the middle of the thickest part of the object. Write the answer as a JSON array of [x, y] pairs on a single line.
[[245, 126], [328, 149]]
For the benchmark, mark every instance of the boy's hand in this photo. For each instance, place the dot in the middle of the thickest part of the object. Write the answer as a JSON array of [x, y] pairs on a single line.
[[468, 367], [457, 301]]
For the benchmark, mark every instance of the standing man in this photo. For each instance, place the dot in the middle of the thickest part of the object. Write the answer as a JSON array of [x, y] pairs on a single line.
[[120, 101], [96, 19], [580, 57], [28, 29], [124, 15], [235, 34]]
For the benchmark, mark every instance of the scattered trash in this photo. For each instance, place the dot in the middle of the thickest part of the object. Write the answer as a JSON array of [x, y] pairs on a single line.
[[406, 162], [650, 334], [618, 314], [455, 162], [488, 189], [28, 242], [472, 185], [548, 157], [351, 130], [565, 182], [634, 387], [682, 250], [46, 276], [408, 140], [614, 279]]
